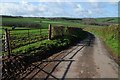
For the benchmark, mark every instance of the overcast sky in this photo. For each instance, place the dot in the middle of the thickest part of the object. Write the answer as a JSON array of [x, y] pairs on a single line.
[[60, 8]]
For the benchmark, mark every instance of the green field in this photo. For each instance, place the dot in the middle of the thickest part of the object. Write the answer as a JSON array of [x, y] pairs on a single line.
[[24, 36], [111, 20], [39, 29], [40, 23], [30, 22], [20, 38]]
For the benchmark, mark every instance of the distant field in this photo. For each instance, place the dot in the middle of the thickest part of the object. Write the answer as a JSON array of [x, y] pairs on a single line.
[[110, 20], [44, 22], [41, 23]]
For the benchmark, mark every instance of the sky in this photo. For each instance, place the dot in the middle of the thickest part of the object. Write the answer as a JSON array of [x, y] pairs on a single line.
[[60, 8]]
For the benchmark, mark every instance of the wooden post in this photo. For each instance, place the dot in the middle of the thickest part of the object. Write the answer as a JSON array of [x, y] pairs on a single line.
[[7, 42], [40, 32], [49, 34], [29, 36]]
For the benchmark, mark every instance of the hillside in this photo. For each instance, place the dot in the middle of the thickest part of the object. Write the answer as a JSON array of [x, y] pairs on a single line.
[[37, 22]]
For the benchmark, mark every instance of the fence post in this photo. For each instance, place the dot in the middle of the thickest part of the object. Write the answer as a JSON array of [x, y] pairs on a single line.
[[49, 34], [40, 31], [29, 36], [7, 42]]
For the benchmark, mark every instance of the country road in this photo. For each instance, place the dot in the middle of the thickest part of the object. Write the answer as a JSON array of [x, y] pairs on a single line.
[[87, 59]]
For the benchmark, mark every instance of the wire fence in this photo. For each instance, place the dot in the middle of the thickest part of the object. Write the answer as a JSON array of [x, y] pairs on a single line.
[[12, 39], [16, 38]]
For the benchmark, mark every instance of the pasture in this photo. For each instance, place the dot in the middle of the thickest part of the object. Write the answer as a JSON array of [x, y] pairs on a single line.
[[31, 30]]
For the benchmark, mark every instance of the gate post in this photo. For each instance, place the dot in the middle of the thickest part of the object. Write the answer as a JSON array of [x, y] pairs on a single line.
[[7, 42], [49, 34]]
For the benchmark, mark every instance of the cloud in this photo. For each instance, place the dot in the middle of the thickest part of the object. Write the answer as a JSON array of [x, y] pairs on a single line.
[[53, 9], [61, 0], [29, 9], [23, 9]]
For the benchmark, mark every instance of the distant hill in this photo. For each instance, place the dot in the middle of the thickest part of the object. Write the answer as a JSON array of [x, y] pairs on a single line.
[[33, 21], [108, 19], [6, 16]]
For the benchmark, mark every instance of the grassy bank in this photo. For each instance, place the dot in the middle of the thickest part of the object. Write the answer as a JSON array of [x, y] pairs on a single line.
[[110, 35]]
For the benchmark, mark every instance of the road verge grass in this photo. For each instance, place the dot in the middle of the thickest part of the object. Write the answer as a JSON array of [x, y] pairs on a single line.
[[110, 35]]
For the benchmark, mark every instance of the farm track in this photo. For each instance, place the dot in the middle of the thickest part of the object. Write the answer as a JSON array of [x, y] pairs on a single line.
[[87, 59], [53, 60]]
